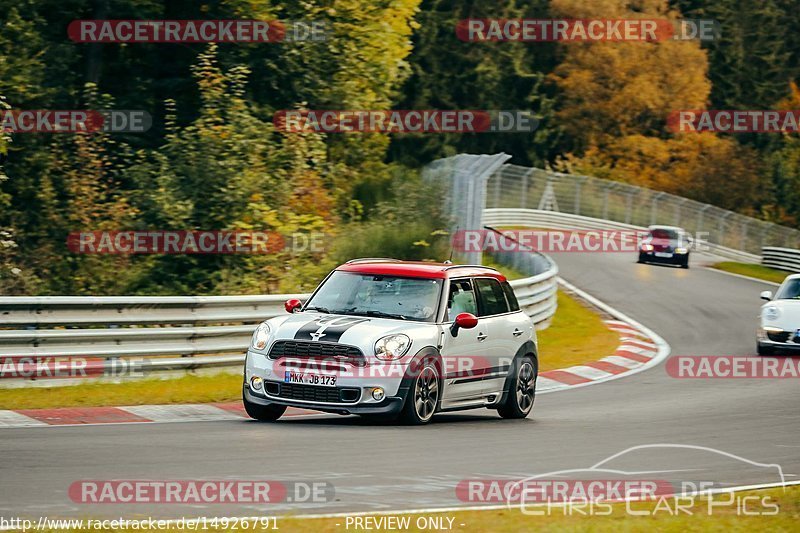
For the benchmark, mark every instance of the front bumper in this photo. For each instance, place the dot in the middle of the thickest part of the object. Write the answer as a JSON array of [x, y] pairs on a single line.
[[388, 407], [351, 395], [778, 338], [676, 259]]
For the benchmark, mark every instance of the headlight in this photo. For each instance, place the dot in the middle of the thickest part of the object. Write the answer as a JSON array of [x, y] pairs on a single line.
[[647, 247], [261, 336], [392, 347], [771, 313], [681, 250]]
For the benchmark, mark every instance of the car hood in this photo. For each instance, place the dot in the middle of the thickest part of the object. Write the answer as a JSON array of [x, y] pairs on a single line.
[[352, 330], [788, 318]]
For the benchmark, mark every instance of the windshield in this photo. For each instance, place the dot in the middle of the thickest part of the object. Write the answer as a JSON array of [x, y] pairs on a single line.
[[790, 290], [351, 293], [666, 234]]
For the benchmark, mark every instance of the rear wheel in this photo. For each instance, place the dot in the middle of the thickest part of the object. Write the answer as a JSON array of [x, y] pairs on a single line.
[[423, 395], [520, 390], [263, 413]]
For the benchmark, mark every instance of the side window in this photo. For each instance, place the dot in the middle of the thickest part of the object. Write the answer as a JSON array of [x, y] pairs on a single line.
[[461, 299], [510, 296], [493, 300]]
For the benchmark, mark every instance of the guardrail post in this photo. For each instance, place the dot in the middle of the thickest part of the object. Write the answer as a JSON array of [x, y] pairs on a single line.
[[764, 232], [743, 244], [654, 207], [496, 198], [678, 206], [629, 205], [606, 189], [721, 229], [523, 201], [700, 215], [579, 181]]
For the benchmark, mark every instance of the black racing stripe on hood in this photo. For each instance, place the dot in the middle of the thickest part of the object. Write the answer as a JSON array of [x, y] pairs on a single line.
[[327, 328]]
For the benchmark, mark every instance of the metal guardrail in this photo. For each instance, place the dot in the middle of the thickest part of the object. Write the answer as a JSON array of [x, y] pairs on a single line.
[[137, 335], [781, 258], [535, 218], [513, 186]]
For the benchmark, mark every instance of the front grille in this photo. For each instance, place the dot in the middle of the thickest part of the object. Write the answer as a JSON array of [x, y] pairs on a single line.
[[317, 350], [782, 336], [314, 393]]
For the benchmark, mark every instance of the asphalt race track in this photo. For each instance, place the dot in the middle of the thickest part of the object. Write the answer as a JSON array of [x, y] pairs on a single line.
[[379, 468]]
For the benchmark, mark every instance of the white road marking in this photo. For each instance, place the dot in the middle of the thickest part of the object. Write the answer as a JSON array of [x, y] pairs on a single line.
[[621, 361], [12, 419], [183, 413], [588, 372], [543, 384]]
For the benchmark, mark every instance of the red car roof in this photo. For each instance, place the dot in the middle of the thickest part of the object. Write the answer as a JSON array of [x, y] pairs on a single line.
[[419, 269]]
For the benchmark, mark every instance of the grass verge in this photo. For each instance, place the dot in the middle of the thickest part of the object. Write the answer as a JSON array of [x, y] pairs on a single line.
[[186, 389], [577, 335], [661, 515], [722, 518], [751, 270]]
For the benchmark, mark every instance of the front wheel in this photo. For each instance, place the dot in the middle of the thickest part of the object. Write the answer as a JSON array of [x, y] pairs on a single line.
[[423, 396], [520, 390], [263, 413]]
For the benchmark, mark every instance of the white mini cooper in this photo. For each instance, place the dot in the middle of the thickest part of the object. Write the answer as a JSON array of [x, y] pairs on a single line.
[[388, 338]]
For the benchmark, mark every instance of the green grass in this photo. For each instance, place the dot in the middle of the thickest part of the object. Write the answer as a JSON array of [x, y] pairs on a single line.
[[695, 517], [753, 271], [618, 520], [577, 335], [187, 389]]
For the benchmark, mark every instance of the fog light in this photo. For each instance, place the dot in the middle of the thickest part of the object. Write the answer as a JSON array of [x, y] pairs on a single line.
[[378, 394], [256, 383]]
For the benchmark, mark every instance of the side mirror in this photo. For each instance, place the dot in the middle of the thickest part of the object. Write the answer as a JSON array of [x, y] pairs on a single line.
[[766, 295], [463, 321], [292, 305]]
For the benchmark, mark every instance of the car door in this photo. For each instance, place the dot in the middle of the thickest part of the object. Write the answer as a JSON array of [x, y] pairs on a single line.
[[494, 317], [464, 365]]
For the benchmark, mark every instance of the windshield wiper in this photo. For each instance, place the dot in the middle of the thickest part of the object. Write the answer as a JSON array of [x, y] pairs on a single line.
[[319, 308], [381, 314]]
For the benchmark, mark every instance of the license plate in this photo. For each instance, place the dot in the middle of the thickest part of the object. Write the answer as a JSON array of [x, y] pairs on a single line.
[[663, 254], [309, 378]]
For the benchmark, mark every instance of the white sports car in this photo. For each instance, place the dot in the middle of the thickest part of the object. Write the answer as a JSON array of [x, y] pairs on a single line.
[[780, 318]]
